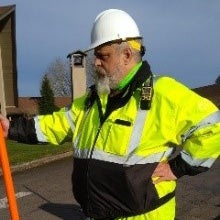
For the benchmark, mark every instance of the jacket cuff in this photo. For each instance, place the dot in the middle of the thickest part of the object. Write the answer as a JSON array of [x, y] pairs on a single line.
[[180, 167], [23, 130]]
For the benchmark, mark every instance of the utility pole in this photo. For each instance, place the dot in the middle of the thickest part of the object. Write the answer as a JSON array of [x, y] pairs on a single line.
[[2, 89]]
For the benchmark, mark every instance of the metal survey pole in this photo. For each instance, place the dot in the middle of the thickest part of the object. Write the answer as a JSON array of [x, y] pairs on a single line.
[[4, 162]]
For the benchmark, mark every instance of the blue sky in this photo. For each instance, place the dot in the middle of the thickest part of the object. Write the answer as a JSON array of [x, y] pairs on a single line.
[[182, 37]]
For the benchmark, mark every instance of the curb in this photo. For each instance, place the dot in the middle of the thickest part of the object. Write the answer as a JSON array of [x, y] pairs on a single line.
[[39, 162]]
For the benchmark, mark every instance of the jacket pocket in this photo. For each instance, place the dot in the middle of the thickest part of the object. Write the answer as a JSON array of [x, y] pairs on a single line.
[[115, 136], [115, 190], [138, 178]]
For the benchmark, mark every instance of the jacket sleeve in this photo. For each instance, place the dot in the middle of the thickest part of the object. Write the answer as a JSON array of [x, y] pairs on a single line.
[[23, 130], [54, 128], [197, 129], [180, 167], [201, 147]]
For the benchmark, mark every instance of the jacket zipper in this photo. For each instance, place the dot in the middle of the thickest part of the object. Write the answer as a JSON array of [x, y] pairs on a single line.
[[92, 150]]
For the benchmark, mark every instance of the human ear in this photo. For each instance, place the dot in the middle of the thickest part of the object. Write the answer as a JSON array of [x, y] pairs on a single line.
[[127, 55]]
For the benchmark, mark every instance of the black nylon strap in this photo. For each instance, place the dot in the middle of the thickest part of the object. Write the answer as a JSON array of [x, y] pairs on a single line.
[[162, 201], [91, 98], [101, 115]]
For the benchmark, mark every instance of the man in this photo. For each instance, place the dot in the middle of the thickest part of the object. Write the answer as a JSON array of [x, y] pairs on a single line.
[[125, 130]]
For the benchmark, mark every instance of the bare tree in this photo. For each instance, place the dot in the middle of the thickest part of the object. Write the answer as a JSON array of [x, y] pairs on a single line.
[[58, 73], [90, 73]]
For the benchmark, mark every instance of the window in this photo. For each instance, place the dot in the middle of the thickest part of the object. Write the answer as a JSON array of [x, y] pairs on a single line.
[[78, 60]]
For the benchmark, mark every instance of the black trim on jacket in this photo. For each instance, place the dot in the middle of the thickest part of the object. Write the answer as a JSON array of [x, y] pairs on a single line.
[[107, 190], [180, 167]]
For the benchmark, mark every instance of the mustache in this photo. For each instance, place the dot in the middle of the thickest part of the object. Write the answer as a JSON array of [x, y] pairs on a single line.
[[100, 72]]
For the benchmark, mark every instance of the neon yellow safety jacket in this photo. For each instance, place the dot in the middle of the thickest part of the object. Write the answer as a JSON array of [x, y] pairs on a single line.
[[117, 145]]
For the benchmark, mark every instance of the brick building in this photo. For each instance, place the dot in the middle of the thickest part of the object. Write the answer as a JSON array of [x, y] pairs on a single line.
[[29, 105]]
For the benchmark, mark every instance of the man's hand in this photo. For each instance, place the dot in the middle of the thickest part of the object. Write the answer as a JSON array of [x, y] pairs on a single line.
[[163, 172], [5, 125]]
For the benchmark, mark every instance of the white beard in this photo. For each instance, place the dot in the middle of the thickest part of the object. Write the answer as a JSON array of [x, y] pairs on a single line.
[[104, 81], [102, 85]]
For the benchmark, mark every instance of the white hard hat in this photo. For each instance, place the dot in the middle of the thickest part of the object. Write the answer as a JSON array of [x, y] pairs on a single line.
[[111, 25]]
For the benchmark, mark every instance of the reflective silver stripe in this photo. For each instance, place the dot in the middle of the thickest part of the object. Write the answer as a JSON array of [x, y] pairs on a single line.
[[156, 157], [40, 136], [211, 119], [101, 155], [197, 162], [133, 159], [69, 117], [139, 126], [137, 130], [79, 153]]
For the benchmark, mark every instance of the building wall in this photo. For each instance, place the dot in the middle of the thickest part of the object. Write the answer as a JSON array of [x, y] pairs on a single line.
[[79, 81], [8, 57]]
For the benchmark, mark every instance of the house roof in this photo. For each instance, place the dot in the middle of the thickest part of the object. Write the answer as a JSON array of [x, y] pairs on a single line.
[[6, 10], [29, 105], [211, 92], [76, 52]]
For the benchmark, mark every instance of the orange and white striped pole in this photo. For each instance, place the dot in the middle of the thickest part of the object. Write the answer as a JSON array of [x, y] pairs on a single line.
[[4, 162]]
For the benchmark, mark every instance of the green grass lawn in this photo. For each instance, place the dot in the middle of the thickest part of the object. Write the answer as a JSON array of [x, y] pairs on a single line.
[[19, 153]]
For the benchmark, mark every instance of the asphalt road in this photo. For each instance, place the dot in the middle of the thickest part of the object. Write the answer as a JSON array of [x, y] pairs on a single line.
[[44, 193]]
